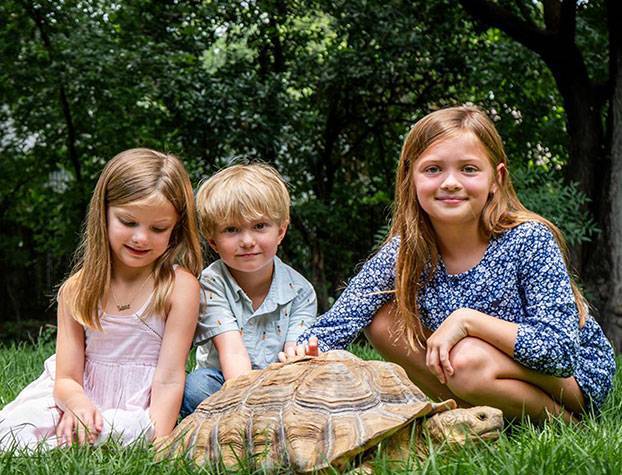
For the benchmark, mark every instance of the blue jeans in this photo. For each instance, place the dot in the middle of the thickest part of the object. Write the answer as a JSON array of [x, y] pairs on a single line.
[[200, 384]]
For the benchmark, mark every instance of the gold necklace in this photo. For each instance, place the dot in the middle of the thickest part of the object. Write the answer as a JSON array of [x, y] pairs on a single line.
[[128, 305]]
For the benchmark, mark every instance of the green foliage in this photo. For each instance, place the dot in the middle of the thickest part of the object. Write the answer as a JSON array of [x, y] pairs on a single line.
[[364, 351], [324, 90], [564, 205]]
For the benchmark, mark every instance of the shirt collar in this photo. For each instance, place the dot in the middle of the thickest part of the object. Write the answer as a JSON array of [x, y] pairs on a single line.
[[282, 288], [238, 292]]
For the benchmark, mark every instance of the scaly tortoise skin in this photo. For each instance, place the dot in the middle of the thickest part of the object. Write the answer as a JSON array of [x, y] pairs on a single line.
[[314, 412]]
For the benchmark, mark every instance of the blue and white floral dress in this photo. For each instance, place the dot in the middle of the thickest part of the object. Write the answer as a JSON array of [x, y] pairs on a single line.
[[521, 278]]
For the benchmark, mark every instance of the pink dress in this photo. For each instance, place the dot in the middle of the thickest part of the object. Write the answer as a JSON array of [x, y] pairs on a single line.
[[120, 363]]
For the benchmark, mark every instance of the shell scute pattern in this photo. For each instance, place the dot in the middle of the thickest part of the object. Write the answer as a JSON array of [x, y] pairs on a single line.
[[316, 390], [225, 443], [307, 414], [395, 387]]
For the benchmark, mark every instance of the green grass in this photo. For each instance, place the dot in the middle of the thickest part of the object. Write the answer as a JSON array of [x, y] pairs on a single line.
[[593, 446]]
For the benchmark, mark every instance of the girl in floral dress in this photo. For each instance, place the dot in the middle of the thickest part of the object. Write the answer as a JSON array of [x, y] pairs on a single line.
[[471, 293]]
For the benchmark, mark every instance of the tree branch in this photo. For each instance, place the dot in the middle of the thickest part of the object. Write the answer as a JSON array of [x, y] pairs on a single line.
[[524, 32]]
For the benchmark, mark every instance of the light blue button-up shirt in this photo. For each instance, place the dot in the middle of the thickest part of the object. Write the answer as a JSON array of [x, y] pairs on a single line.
[[287, 311]]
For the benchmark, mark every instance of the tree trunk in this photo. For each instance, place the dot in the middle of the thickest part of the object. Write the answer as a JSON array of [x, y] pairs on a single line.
[[612, 318], [319, 276], [39, 19], [586, 155]]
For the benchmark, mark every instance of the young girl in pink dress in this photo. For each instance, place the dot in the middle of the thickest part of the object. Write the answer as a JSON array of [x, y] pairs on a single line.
[[126, 315]]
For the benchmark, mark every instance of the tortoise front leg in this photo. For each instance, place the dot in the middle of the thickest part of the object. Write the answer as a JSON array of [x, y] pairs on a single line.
[[396, 451]]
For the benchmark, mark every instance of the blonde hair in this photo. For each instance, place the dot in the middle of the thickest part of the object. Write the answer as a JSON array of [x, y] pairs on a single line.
[[132, 175], [242, 193], [418, 252]]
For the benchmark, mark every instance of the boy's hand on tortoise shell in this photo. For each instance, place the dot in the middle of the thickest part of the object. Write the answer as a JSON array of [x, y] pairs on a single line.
[[310, 348]]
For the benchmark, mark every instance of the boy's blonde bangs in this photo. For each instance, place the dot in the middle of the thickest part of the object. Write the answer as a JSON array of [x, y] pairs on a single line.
[[242, 193], [241, 205]]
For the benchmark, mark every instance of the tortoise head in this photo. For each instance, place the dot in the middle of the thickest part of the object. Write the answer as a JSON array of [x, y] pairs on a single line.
[[459, 425]]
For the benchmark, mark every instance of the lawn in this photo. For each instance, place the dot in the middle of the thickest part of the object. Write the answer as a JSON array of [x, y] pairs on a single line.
[[592, 446]]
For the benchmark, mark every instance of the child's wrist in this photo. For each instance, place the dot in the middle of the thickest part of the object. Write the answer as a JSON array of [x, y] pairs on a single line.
[[469, 321], [77, 400]]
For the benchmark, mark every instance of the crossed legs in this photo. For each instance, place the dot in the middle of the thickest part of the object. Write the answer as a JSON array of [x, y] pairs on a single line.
[[483, 375]]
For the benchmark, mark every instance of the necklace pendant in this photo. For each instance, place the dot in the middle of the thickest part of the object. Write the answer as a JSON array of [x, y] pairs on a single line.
[[123, 307]]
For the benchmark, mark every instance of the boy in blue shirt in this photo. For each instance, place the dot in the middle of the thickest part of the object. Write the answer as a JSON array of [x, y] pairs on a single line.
[[252, 304]]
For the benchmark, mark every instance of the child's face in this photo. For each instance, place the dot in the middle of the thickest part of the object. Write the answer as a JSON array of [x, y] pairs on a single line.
[[453, 179], [139, 232], [248, 247]]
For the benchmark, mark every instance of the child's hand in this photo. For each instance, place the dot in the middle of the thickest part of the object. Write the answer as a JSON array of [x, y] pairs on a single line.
[[440, 343], [310, 348], [81, 424]]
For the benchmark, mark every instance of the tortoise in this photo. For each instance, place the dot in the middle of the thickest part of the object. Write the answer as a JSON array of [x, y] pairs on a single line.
[[311, 413]]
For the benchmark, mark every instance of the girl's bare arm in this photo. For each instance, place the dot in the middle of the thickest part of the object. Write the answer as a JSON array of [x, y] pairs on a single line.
[[168, 382], [81, 418]]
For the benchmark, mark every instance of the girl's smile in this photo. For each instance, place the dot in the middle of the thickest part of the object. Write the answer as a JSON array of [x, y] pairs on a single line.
[[138, 252], [451, 200]]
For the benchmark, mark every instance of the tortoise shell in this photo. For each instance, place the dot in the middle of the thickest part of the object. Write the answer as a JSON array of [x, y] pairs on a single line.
[[306, 414]]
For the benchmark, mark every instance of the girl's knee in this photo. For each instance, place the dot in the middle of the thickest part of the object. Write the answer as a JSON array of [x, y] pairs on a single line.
[[472, 361], [470, 354], [382, 335], [380, 327]]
